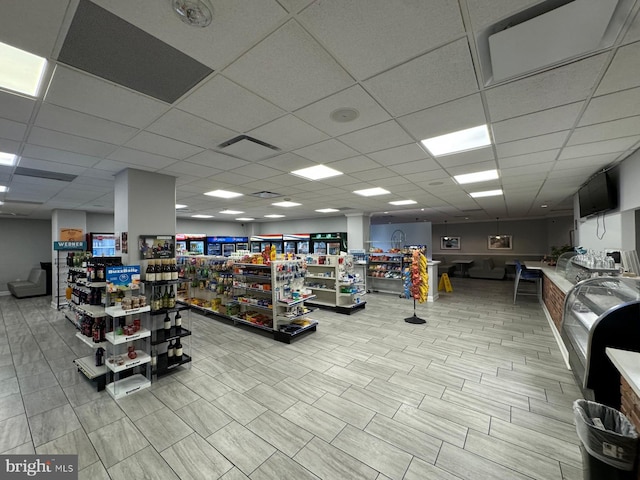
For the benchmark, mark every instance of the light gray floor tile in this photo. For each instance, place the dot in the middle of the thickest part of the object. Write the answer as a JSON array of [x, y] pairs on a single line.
[[146, 464], [433, 425], [530, 379], [239, 407], [456, 413], [405, 438], [281, 467], [43, 400], [266, 374], [471, 401], [371, 369], [563, 413], [175, 395], [234, 440], [24, 449], [500, 384], [313, 363], [520, 459], [314, 420], [203, 417], [95, 471], [544, 424], [207, 387], [117, 441], [333, 357], [329, 462], [390, 363], [467, 364], [163, 428], [14, 431], [10, 406], [52, 424], [300, 390], [395, 392], [325, 382], [349, 376], [237, 380], [82, 391], [140, 405], [352, 353], [436, 377], [493, 393], [290, 369], [283, 434], [37, 382], [469, 466], [418, 384], [73, 443], [345, 410], [371, 400], [571, 473], [271, 397], [371, 450], [193, 457], [234, 474], [419, 470], [99, 413]]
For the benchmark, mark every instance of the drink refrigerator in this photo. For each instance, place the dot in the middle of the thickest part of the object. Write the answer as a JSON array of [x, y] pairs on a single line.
[[101, 244], [190, 244], [296, 243], [329, 243], [225, 245], [260, 242]]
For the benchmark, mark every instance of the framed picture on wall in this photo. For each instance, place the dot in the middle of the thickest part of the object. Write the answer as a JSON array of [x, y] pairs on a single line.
[[500, 242], [449, 243]]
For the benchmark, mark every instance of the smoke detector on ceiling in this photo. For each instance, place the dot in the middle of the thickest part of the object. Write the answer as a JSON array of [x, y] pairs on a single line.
[[195, 13]]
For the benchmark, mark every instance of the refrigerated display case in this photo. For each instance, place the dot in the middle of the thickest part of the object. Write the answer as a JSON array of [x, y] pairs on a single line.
[[225, 245], [102, 244], [328, 243], [296, 243], [260, 242], [194, 244]]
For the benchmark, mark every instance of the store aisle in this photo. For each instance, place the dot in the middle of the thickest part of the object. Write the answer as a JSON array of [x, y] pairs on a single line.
[[480, 391]]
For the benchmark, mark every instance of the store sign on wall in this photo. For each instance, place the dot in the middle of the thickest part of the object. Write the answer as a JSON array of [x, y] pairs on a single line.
[[69, 245]]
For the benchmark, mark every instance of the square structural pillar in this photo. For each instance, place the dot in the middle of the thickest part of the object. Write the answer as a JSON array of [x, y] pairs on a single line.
[[358, 225]]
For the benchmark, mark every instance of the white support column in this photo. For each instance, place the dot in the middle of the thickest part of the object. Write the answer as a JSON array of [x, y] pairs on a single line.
[[358, 225]]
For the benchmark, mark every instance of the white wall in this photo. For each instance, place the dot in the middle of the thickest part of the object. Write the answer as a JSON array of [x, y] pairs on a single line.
[[100, 223], [231, 229], [24, 245], [385, 236], [320, 225]]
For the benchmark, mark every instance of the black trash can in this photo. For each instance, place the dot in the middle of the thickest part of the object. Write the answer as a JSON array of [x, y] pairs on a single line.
[[609, 441], [48, 270]]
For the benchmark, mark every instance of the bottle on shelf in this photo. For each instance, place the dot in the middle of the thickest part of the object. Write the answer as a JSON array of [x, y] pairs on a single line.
[[171, 352], [177, 350], [165, 298], [172, 297], [150, 273], [99, 357], [156, 303], [178, 320], [167, 324], [166, 270]]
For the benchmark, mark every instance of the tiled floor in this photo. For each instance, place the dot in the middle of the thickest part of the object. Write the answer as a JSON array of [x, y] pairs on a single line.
[[479, 392]]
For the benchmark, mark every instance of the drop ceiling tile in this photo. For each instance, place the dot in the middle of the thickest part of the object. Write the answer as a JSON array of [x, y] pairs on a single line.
[[12, 130], [625, 127], [354, 164], [437, 77], [84, 93], [140, 158], [633, 34], [402, 154], [233, 178], [467, 158], [62, 141], [537, 169], [183, 126], [288, 133], [36, 164], [578, 164], [597, 148], [526, 179], [32, 25], [286, 162], [61, 156], [377, 137], [373, 175], [417, 166], [530, 145], [538, 123], [152, 143], [611, 107], [223, 102], [486, 12], [15, 107], [623, 70], [352, 31], [304, 74], [326, 151], [186, 168], [61, 119], [254, 171], [221, 161], [294, 6], [449, 117], [528, 159], [472, 168], [318, 114], [560, 86], [11, 146]]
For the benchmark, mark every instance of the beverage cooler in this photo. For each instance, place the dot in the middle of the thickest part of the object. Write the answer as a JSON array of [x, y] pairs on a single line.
[[328, 243], [260, 242], [101, 244], [225, 245], [296, 243], [190, 244]]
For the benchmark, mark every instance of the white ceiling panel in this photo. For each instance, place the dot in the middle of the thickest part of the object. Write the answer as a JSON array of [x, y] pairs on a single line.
[[217, 160], [471, 168], [417, 166], [633, 34], [434, 78], [12, 130], [318, 114], [16, 107], [538, 123], [326, 151], [186, 168], [528, 159], [287, 162], [625, 127], [10, 146], [223, 102], [623, 70], [527, 170], [352, 30], [612, 107], [191, 129], [372, 175], [402, 154], [141, 159], [449, 117], [60, 119], [560, 86], [354, 164], [598, 148], [63, 141], [79, 91], [288, 133], [580, 163], [152, 143], [60, 156], [306, 74], [294, 6], [255, 171], [530, 145], [467, 158], [377, 137], [47, 166], [487, 12]]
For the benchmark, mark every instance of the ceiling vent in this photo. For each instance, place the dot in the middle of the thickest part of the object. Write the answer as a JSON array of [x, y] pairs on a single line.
[[266, 194], [248, 148], [32, 172], [549, 34], [22, 202]]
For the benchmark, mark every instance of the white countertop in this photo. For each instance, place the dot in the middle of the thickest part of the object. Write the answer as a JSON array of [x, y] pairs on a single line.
[[559, 280], [628, 364]]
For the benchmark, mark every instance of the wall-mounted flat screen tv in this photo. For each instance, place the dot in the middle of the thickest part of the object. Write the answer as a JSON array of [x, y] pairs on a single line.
[[598, 195]]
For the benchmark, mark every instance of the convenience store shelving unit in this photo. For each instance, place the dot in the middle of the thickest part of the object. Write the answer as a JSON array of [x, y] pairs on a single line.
[[334, 283], [385, 272]]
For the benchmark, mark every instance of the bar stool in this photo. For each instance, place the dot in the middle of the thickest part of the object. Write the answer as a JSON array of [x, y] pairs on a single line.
[[522, 273]]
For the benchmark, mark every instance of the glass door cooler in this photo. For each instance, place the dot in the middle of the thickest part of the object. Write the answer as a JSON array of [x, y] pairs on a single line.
[[328, 243]]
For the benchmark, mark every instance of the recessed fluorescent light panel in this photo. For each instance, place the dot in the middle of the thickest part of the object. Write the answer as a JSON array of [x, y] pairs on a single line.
[[20, 71], [3, 188], [245, 219], [179, 205], [327, 210], [8, 159], [476, 177], [223, 194], [487, 193], [286, 204], [274, 215], [201, 216], [372, 192], [231, 212], [403, 202], [317, 172], [459, 141]]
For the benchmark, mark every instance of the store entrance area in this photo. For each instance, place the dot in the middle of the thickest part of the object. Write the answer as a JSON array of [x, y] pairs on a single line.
[[479, 391]]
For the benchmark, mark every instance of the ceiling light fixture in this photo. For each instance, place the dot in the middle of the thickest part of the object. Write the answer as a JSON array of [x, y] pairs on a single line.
[[486, 193], [446, 237], [201, 216], [544, 205], [179, 205], [403, 202], [274, 215], [460, 141], [3, 188], [223, 194], [317, 172], [476, 177], [372, 192], [245, 219], [231, 212], [497, 228], [20, 71], [8, 159], [327, 210], [195, 13], [286, 204]]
